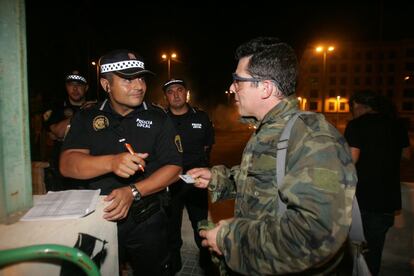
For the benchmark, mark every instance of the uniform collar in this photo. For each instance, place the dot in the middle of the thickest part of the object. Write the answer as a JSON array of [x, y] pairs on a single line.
[[106, 107], [190, 110]]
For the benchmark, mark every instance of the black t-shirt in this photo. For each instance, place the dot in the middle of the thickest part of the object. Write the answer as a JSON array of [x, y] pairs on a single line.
[[101, 130], [196, 132], [380, 141]]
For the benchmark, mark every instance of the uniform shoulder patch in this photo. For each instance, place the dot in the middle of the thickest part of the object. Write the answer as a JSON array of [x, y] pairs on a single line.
[[100, 122], [177, 141], [47, 114]]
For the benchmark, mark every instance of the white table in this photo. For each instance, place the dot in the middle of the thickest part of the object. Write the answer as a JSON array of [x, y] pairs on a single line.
[[63, 232]]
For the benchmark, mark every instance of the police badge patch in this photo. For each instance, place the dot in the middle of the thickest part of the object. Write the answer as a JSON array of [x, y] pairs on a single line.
[[100, 122], [177, 141]]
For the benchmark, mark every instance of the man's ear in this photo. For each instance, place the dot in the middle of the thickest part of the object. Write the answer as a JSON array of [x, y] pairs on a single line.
[[267, 89], [105, 84]]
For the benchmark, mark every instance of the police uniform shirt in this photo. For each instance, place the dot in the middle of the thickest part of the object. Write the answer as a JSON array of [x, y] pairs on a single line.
[[196, 132], [103, 132], [60, 112]]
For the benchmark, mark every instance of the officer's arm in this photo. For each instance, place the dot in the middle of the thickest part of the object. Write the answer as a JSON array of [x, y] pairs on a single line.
[[59, 128], [79, 164], [160, 179]]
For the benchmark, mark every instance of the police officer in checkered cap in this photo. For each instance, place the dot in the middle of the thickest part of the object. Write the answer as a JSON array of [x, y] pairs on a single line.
[[57, 119], [128, 149]]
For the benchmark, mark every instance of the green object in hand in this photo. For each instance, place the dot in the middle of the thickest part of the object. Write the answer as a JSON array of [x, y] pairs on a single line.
[[205, 225]]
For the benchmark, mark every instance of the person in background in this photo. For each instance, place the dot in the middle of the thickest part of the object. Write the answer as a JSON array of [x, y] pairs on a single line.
[[318, 187], [127, 149], [377, 140], [56, 121], [197, 138]]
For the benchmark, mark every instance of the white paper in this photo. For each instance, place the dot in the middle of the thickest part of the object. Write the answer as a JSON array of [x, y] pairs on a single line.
[[187, 178], [63, 205]]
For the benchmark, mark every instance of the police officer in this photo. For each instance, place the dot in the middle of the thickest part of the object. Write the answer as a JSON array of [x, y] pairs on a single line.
[[197, 137], [127, 149], [57, 119]]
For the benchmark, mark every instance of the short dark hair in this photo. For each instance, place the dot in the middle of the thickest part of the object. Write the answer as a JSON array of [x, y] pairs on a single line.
[[271, 59], [366, 97]]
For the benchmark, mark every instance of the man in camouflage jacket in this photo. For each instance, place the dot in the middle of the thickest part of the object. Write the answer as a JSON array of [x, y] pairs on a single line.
[[318, 187]]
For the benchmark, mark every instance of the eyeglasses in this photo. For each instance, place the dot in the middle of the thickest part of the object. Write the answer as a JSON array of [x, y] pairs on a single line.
[[237, 79]]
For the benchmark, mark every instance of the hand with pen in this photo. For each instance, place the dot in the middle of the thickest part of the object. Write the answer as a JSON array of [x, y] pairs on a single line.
[[128, 163], [123, 165]]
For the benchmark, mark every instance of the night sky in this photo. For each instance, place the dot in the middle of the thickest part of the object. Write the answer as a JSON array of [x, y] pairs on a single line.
[[67, 35]]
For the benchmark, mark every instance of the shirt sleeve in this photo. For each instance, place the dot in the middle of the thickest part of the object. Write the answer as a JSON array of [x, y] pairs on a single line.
[[210, 135], [168, 145], [318, 187], [352, 135], [77, 135], [222, 185]]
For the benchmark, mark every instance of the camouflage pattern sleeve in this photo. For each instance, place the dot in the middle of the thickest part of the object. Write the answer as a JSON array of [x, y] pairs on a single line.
[[318, 188], [222, 185]]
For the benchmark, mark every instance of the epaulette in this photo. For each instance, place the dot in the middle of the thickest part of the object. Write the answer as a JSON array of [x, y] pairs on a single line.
[[156, 105]]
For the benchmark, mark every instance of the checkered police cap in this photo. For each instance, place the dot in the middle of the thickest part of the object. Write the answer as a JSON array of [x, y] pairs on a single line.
[[76, 77], [173, 81], [124, 63]]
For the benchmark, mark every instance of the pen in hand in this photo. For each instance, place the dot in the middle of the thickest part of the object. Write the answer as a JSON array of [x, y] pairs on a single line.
[[131, 151]]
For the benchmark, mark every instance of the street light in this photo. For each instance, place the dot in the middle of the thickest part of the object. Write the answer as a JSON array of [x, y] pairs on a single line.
[[324, 50], [168, 58], [97, 79]]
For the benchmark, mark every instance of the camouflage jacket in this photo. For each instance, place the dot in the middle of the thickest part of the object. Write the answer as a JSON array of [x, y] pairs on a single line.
[[318, 188]]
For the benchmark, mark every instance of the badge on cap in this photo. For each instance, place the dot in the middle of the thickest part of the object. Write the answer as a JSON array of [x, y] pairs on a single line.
[[100, 122]]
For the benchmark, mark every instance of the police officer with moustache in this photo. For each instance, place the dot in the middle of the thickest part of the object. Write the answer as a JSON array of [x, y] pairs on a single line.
[[134, 179], [197, 137], [56, 121]]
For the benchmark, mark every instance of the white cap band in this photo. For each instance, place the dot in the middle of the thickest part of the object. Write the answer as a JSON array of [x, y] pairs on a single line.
[[75, 78], [121, 65]]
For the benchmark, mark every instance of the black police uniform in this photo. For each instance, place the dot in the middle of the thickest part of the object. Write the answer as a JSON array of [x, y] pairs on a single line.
[[149, 130], [196, 132], [54, 180]]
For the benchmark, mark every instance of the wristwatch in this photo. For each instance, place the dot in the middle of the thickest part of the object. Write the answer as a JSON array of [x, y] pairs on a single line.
[[135, 193]]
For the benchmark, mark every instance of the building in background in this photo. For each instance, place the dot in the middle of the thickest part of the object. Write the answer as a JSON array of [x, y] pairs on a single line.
[[330, 76]]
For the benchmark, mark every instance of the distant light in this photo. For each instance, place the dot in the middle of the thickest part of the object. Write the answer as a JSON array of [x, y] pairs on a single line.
[[299, 98], [164, 56], [319, 49], [331, 48], [93, 63], [338, 97], [173, 55], [406, 78]]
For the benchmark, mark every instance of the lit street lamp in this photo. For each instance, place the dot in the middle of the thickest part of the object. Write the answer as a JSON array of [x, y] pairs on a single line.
[[168, 58], [324, 50], [228, 93]]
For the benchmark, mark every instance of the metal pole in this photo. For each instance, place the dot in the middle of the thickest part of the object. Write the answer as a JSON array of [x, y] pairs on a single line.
[[337, 110], [324, 81], [169, 68]]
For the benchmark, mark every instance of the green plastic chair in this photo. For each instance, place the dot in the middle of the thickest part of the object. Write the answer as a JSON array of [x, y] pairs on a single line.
[[49, 251]]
